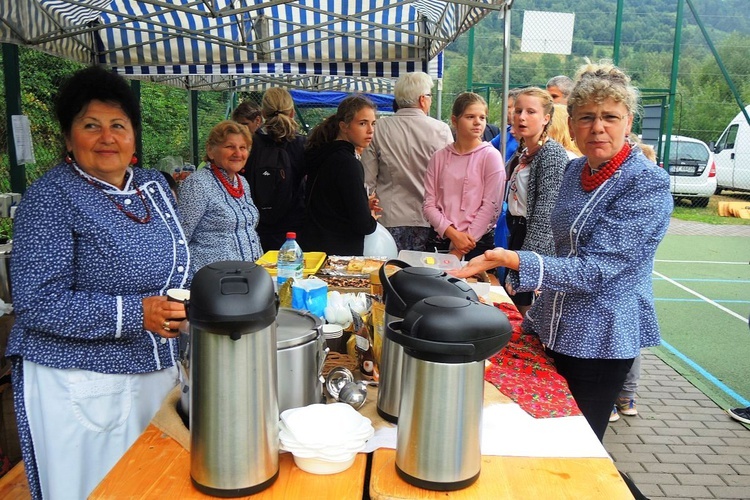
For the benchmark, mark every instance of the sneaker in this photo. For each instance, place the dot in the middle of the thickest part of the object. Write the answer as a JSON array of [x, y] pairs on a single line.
[[741, 414], [614, 416], [626, 406]]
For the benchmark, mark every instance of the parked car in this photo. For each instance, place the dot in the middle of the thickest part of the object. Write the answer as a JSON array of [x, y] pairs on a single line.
[[692, 170], [732, 152]]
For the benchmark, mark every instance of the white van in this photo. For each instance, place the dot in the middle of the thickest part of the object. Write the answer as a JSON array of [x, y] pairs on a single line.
[[732, 156]]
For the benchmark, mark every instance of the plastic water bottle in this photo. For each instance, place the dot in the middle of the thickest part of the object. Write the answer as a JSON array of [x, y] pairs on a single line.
[[291, 260]]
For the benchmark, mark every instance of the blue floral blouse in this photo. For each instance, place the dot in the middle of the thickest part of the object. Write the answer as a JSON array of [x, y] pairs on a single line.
[[218, 226], [597, 299], [80, 269]]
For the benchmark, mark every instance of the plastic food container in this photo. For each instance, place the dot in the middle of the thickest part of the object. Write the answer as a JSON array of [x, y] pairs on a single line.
[[322, 466], [435, 260], [313, 261]]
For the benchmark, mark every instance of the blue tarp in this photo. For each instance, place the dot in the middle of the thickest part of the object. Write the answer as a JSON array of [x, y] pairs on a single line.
[[329, 99]]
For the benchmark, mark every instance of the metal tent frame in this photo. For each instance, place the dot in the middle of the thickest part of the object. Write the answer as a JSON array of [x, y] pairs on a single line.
[[207, 43], [352, 45]]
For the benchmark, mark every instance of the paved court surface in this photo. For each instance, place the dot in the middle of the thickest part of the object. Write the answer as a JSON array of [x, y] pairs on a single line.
[[681, 444]]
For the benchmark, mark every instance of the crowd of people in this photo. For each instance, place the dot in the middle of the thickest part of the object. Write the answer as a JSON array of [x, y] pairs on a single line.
[[568, 218]]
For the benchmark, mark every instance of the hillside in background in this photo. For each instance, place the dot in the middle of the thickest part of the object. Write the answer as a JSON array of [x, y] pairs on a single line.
[[704, 102], [647, 42]]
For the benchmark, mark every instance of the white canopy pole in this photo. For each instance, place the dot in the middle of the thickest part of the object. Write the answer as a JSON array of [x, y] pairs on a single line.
[[439, 98]]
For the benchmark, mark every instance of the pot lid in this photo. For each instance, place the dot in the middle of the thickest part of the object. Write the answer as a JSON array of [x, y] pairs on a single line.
[[295, 328]]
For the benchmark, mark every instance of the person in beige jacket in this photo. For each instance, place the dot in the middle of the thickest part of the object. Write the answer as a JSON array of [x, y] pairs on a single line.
[[397, 158]]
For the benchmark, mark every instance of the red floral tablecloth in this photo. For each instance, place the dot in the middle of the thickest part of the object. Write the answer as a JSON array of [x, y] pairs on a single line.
[[524, 373]]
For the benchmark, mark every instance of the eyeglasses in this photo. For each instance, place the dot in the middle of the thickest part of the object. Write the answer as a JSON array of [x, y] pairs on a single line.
[[427, 95], [609, 120]]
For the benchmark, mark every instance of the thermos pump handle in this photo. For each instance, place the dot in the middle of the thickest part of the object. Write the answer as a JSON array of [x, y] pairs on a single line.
[[386, 282]]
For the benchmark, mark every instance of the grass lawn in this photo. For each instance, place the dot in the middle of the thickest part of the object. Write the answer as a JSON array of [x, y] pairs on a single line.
[[709, 214]]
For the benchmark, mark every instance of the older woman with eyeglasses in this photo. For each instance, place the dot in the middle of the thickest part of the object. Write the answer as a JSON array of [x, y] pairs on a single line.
[[597, 309]]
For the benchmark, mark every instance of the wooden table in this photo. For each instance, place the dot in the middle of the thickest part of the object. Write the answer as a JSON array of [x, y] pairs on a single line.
[[13, 485], [515, 478], [156, 466]]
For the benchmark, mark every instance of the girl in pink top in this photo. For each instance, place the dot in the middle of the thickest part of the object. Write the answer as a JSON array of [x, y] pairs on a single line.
[[464, 184]]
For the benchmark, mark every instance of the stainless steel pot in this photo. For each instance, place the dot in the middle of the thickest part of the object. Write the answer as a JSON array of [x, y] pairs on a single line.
[[300, 354]]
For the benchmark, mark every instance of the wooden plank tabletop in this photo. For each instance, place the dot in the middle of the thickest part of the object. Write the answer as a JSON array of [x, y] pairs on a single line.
[[510, 478], [156, 466], [13, 485]]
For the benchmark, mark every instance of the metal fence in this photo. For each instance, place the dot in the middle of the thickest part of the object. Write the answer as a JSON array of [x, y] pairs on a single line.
[[704, 104]]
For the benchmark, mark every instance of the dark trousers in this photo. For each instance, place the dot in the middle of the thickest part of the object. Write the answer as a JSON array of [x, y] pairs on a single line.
[[516, 235], [594, 384]]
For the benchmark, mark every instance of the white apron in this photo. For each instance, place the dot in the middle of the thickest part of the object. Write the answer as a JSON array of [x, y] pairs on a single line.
[[82, 422]]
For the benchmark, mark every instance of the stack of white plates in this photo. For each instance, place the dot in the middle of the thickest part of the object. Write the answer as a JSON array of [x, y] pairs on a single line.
[[324, 439]]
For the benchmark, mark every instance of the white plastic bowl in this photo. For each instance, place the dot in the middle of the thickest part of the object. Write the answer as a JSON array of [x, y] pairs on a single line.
[[322, 466], [318, 424]]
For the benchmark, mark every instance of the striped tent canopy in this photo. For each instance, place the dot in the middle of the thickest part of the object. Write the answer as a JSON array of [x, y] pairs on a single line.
[[214, 44]]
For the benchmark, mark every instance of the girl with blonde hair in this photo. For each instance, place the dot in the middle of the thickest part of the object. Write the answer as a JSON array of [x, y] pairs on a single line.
[[535, 180], [275, 170], [559, 131]]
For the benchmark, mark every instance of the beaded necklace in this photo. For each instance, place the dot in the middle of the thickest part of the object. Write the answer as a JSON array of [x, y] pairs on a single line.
[[526, 158], [591, 179], [234, 192], [130, 215]]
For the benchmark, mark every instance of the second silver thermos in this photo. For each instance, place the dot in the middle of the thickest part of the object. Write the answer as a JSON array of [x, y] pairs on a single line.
[[400, 291]]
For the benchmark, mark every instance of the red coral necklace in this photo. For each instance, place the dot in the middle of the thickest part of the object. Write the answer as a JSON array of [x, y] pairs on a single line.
[[591, 180], [130, 215], [235, 192]]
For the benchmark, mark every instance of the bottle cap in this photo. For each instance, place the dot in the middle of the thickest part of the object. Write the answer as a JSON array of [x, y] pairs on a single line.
[[291, 235]]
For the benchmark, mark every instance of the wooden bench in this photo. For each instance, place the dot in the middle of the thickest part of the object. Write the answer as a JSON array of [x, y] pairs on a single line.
[[13, 485]]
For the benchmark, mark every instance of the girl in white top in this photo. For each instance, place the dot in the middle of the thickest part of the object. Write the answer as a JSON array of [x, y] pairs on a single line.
[[534, 181]]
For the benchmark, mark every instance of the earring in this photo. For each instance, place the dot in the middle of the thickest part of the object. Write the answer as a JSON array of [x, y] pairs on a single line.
[[134, 160], [69, 157]]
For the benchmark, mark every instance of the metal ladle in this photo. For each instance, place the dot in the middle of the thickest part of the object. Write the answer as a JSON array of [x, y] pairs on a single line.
[[354, 394], [337, 378]]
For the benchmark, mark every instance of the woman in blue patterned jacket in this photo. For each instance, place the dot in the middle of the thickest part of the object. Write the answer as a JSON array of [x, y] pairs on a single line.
[[597, 309], [217, 210], [97, 243]]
